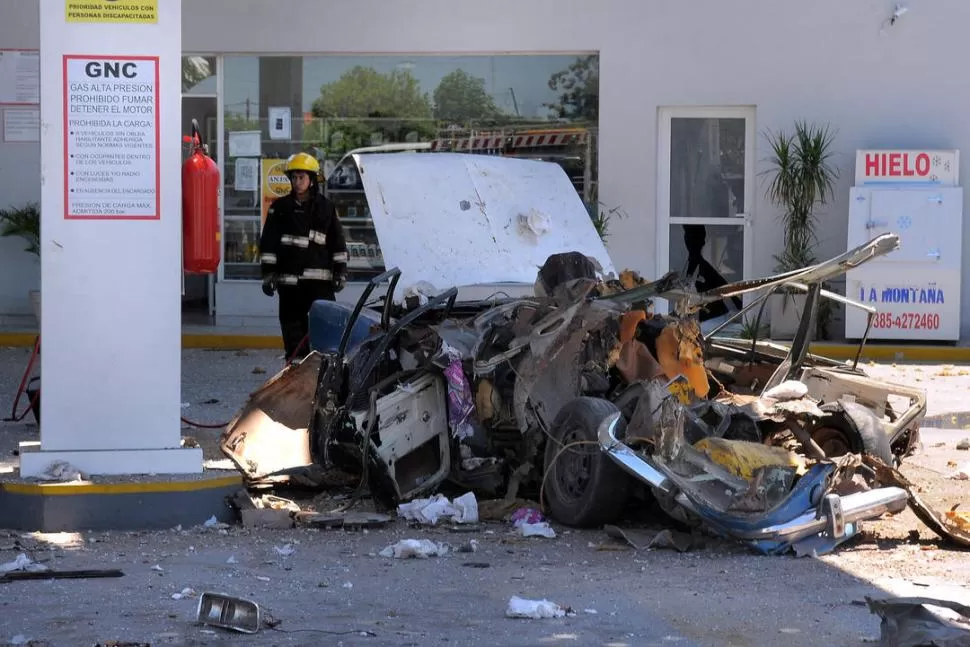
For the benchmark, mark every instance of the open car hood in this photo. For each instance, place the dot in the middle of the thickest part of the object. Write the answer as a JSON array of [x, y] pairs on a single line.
[[454, 219]]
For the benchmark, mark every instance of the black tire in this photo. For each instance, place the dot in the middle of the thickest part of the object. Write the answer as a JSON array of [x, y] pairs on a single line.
[[849, 427], [584, 488]]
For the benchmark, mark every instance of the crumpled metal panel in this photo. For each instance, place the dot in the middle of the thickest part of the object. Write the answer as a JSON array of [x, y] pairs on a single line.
[[906, 622], [561, 347], [270, 433]]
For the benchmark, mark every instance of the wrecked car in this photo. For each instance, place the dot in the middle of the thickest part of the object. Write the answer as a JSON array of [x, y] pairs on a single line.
[[573, 392]]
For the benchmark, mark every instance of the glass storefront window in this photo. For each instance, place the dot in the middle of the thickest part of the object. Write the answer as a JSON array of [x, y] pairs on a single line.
[[533, 106]]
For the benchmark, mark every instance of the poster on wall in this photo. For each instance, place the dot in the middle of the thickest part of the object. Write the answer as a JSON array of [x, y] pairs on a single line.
[[246, 174], [21, 125], [19, 77], [274, 184], [279, 122], [245, 143], [111, 138]]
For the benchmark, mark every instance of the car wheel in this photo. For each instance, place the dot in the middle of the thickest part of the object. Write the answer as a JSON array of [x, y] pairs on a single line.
[[849, 427], [583, 486]]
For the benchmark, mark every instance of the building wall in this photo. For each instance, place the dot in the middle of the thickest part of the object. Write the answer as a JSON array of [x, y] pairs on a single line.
[[19, 177], [828, 60]]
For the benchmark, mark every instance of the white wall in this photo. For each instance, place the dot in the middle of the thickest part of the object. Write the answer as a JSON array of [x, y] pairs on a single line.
[[824, 60], [19, 177]]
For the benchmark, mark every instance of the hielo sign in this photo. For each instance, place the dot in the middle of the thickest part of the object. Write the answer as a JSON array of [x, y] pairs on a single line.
[[895, 166]]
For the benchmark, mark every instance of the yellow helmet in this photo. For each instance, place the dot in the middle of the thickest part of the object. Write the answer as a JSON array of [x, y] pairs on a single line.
[[303, 162]]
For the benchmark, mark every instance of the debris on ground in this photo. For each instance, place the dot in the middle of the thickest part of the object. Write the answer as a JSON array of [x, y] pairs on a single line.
[[225, 612], [645, 540], [346, 520], [463, 509], [267, 518], [908, 622], [22, 564], [414, 549], [503, 509], [534, 609], [267, 511], [186, 593], [530, 522], [14, 576], [542, 529], [63, 472], [285, 550], [214, 524], [958, 519], [528, 516], [961, 473]]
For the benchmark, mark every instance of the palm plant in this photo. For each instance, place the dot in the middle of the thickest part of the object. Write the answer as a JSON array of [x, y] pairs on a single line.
[[24, 222], [803, 179]]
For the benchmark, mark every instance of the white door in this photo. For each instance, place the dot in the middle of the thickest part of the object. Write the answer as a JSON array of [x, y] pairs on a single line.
[[705, 194]]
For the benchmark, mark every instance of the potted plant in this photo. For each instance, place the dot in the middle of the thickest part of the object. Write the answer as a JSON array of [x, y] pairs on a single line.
[[802, 179], [25, 223]]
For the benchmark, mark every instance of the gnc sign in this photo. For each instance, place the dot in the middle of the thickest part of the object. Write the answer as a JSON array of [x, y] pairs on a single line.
[[939, 167]]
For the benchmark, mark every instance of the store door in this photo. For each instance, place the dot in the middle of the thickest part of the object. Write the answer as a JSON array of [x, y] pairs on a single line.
[[705, 193]]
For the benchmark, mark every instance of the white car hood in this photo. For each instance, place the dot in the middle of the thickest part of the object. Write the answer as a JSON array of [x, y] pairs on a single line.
[[452, 219]]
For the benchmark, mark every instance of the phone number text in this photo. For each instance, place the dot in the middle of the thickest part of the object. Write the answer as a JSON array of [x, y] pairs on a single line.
[[907, 320]]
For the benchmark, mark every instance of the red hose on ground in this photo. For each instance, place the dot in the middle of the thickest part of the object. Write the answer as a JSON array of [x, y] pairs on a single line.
[[23, 384]]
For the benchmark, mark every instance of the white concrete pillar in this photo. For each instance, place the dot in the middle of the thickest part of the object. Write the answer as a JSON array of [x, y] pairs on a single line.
[[110, 238]]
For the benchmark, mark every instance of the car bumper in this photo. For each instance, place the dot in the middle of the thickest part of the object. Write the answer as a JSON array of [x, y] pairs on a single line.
[[836, 517]]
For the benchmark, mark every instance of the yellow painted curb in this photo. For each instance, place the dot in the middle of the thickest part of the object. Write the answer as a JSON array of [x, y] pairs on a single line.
[[895, 353], [231, 342], [70, 489], [189, 340], [873, 351], [17, 339]]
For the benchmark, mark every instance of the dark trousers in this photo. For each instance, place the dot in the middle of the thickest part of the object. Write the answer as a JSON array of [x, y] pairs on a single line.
[[295, 302]]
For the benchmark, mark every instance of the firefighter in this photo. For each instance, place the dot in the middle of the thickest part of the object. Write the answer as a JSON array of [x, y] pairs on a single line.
[[303, 253]]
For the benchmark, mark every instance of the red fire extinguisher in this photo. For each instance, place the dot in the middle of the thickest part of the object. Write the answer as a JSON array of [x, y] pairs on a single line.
[[201, 234]]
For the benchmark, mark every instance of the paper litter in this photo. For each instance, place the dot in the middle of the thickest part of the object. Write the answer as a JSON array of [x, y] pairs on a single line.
[[22, 563], [788, 390], [414, 549], [534, 609], [463, 509]]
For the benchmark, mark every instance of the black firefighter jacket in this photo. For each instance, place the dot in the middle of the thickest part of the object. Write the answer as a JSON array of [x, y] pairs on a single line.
[[302, 242]]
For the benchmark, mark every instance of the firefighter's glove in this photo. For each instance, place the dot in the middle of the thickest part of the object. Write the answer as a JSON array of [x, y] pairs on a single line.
[[339, 283], [269, 286]]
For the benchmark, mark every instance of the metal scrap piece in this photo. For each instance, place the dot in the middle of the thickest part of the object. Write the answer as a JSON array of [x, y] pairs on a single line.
[[906, 622], [227, 612], [641, 540]]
